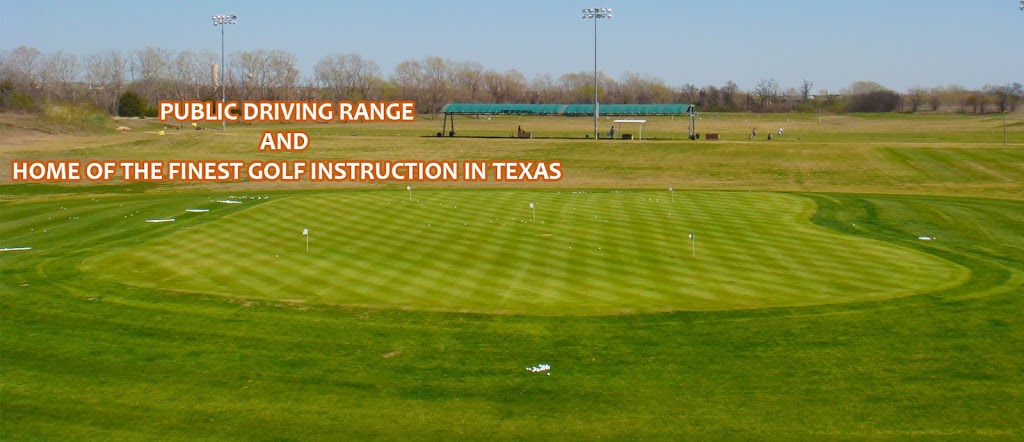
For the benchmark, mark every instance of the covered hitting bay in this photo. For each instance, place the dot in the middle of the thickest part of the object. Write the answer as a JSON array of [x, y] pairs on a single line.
[[623, 110], [640, 122]]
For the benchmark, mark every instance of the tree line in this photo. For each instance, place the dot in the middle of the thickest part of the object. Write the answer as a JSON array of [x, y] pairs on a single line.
[[130, 83]]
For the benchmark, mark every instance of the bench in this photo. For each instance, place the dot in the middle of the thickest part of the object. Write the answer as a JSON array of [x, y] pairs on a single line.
[[523, 134], [710, 136]]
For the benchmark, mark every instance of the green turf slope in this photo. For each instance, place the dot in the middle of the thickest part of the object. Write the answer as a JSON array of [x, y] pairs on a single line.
[[89, 358], [586, 253]]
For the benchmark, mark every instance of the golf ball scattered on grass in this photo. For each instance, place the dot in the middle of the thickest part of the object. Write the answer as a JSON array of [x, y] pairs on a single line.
[[539, 368]]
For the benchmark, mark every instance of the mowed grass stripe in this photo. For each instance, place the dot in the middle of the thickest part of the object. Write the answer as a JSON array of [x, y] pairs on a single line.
[[599, 268], [587, 253], [968, 166]]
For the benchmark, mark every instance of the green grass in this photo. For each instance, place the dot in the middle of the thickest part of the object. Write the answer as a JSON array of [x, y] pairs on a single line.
[[586, 253], [99, 339], [100, 359]]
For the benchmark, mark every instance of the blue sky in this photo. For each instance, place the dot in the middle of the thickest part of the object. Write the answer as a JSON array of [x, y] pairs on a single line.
[[898, 43]]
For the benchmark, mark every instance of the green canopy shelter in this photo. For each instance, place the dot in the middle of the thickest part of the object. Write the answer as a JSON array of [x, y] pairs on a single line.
[[631, 110]]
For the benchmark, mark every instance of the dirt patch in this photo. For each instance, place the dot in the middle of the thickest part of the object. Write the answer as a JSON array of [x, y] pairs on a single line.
[[19, 136]]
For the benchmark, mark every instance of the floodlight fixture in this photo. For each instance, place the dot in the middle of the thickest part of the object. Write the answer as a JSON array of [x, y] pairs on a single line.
[[588, 14], [224, 19]]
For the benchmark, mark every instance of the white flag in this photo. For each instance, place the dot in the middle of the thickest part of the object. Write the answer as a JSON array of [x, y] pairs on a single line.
[[691, 236], [305, 232]]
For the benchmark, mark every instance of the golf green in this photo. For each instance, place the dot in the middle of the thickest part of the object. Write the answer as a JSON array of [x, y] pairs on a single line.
[[581, 253]]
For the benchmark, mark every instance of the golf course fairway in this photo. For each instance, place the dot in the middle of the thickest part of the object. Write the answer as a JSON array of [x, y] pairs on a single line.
[[860, 278], [583, 253]]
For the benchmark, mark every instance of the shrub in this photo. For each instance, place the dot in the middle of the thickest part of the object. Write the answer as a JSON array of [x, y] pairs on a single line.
[[131, 104], [875, 101], [79, 115]]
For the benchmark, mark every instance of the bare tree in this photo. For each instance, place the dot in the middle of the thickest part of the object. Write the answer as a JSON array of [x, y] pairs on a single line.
[[308, 90], [439, 75], [469, 79], [710, 98], [264, 75], [637, 88], [935, 98], [330, 75], [64, 69], [577, 87], [106, 74], [150, 64], [30, 77], [544, 89], [729, 92], [1004, 96], [915, 97], [506, 87], [366, 78], [494, 84], [954, 96], [688, 93], [23, 66], [765, 93], [192, 72], [977, 101], [150, 70], [805, 89], [863, 87], [408, 81], [349, 76]]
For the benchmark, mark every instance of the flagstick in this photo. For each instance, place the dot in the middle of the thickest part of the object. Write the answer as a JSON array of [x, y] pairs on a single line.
[[534, 208], [307, 243], [409, 188], [673, 193]]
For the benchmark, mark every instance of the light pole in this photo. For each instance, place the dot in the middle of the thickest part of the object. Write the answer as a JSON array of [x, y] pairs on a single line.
[[222, 21], [596, 13]]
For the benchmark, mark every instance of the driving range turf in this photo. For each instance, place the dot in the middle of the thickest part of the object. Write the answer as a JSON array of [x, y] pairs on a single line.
[[483, 251], [808, 312]]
